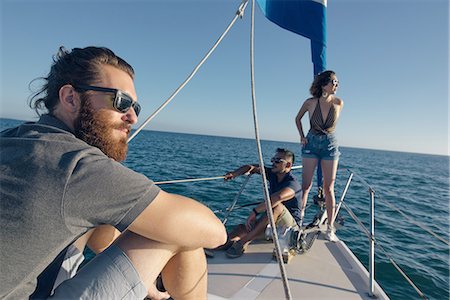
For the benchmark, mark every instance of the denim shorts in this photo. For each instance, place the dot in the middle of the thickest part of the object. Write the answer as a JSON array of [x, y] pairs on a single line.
[[321, 147]]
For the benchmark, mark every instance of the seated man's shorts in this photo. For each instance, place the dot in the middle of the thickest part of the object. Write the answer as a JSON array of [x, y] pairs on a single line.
[[321, 147], [285, 220], [109, 275]]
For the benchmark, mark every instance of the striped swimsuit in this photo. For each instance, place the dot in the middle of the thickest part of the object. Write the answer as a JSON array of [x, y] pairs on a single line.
[[322, 143], [318, 125]]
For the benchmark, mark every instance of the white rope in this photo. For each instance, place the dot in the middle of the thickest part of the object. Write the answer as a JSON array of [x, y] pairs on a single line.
[[203, 179], [261, 163], [189, 180], [239, 13]]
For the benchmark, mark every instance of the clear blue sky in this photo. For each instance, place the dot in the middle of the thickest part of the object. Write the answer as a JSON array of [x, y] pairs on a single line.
[[392, 59]]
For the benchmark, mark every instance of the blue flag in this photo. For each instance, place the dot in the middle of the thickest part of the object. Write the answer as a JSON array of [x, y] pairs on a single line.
[[304, 17]]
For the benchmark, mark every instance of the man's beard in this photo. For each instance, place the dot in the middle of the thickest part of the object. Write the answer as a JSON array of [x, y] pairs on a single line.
[[96, 129]]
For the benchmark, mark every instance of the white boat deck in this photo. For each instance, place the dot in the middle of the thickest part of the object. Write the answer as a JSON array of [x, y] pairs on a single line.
[[327, 271]]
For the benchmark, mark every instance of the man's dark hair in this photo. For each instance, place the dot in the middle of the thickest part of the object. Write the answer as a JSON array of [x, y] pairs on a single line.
[[287, 154], [81, 66]]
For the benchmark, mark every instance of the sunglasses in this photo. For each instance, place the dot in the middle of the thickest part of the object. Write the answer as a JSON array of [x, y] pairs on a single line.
[[277, 160], [334, 81], [121, 101]]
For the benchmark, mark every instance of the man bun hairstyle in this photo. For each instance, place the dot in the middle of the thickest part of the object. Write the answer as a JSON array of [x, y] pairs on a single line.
[[81, 66]]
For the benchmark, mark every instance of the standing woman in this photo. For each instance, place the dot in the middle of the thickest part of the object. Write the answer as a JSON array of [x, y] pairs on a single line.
[[320, 144]]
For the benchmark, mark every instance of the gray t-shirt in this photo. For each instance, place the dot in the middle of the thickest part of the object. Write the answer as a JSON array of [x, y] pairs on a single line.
[[53, 188]]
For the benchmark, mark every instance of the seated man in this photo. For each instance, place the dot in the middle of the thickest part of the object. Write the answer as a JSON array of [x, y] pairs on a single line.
[[61, 177], [285, 196]]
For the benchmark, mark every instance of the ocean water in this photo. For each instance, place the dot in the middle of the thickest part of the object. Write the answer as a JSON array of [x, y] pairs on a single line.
[[416, 184]]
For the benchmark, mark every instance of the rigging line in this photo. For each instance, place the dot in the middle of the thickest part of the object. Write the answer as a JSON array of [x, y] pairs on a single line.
[[361, 178], [402, 213], [261, 162], [239, 13], [354, 217], [233, 204], [344, 193], [189, 180], [246, 205], [415, 222], [421, 294], [377, 242], [202, 179]]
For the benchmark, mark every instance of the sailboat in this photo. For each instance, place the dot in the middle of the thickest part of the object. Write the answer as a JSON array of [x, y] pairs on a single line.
[[316, 268]]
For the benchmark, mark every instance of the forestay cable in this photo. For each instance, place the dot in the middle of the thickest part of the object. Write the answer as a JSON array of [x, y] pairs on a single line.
[[239, 13], [261, 163]]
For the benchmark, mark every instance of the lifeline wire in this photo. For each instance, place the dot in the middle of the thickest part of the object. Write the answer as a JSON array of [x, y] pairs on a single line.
[[189, 180], [377, 241], [392, 206], [202, 179], [415, 222], [261, 163], [239, 13], [233, 204]]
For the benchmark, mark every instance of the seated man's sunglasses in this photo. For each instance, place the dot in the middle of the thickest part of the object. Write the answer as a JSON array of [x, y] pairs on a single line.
[[121, 101], [277, 160]]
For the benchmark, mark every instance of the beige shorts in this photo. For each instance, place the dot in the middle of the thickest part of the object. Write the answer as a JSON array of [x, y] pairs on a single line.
[[285, 220]]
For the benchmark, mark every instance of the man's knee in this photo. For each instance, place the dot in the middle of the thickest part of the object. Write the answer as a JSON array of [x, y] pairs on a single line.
[[278, 210]]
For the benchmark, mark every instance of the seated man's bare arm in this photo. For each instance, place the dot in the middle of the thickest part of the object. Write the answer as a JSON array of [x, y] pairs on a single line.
[[175, 219], [277, 198]]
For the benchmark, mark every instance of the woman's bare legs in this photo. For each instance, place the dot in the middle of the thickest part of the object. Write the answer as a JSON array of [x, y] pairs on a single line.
[[309, 165], [329, 169]]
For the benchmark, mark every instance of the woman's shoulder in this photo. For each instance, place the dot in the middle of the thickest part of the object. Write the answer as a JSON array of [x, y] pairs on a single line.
[[310, 100], [338, 101]]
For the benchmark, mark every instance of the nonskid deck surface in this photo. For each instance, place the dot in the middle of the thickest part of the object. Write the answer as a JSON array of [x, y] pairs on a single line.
[[327, 271]]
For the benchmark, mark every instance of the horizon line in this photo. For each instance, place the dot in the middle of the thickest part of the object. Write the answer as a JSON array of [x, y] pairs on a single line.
[[268, 140]]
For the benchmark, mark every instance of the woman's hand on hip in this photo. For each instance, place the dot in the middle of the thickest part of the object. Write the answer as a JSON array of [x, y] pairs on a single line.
[[303, 140]]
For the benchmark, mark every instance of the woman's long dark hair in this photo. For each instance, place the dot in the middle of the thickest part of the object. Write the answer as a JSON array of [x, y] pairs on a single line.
[[322, 79]]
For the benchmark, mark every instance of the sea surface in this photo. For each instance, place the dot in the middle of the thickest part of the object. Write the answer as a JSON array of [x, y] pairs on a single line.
[[416, 184]]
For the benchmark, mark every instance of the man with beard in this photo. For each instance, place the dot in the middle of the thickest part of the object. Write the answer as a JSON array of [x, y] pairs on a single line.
[[285, 195], [61, 177]]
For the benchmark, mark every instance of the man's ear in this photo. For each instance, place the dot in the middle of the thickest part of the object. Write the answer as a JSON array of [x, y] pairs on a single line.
[[69, 99]]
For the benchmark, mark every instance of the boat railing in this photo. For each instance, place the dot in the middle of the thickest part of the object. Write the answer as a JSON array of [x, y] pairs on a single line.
[[369, 232]]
